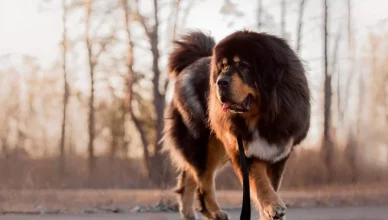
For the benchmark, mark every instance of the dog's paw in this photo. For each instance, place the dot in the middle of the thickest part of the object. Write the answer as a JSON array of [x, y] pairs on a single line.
[[274, 212], [188, 214], [220, 215]]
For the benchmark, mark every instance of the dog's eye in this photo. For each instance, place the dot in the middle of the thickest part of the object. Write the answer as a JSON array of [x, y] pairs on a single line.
[[244, 64]]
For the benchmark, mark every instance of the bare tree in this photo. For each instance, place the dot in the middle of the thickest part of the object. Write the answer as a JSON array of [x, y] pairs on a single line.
[[150, 25], [351, 147], [65, 88], [283, 18], [130, 81], [300, 26], [158, 97], [327, 141], [350, 74], [176, 8], [186, 12], [91, 63], [334, 67], [92, 58], [259, 14]]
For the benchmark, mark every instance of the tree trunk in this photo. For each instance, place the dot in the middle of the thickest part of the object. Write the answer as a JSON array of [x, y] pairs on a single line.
[[328, 147], [334, 68], [283, 19], [259, 14], [300, 26], [91, 129], [176, 17], [113, 148], [159, 169], [129, 96], [186, 13], [159, 101], [4, 142], [117, 126], [350, 60], [351, 147], [66, 92]]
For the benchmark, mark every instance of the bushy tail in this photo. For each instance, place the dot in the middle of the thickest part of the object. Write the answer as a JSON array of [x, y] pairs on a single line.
[[188, 49]]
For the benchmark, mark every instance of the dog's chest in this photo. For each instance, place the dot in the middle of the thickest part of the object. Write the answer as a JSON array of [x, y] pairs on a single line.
[[260, 148]]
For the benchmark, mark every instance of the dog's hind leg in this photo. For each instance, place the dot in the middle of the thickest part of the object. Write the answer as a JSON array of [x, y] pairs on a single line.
[[206, 182], [186, 189], [207, 198]]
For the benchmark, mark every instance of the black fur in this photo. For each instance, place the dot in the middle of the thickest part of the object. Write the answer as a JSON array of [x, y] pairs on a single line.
[[281, 81], [275, 70], [201, 199], [186, 127], [189, 49]]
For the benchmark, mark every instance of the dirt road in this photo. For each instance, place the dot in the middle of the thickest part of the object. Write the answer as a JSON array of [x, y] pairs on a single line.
[[343, 213]]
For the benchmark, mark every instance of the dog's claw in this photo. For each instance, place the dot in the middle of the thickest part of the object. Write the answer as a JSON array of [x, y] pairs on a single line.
[[188, 215], [220, 215], [274, 212]]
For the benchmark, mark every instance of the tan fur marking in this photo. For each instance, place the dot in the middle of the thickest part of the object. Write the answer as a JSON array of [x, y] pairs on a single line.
[[240, 90], [224, 60], [236, 59], [263, 194], [219, 65], [186, 201], [216, 158], [261, 185]]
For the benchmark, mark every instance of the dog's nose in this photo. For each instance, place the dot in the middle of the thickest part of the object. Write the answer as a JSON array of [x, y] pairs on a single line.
[[223, 82]]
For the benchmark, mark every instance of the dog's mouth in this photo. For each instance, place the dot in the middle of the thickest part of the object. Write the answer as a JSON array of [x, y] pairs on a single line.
[[243, 107]]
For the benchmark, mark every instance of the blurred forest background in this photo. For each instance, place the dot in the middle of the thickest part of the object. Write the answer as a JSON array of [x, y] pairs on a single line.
[[83, 87]]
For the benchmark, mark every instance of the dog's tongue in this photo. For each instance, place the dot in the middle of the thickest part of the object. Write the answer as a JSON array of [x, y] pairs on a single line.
[[226, 105]]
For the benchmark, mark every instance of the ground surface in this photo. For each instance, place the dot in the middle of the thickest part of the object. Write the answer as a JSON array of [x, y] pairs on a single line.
[[364, 202], [342, 213]]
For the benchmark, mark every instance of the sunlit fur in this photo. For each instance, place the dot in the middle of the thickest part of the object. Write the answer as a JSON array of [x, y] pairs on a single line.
[[201, 137]]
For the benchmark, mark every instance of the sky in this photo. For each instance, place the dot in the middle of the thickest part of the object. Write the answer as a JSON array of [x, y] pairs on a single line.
[[27, 29]]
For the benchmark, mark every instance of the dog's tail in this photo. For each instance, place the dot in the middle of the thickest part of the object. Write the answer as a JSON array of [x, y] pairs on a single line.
[[188, 49]]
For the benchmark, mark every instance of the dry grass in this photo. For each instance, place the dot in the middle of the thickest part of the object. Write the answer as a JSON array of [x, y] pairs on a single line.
[[305, 170], [32, 185]]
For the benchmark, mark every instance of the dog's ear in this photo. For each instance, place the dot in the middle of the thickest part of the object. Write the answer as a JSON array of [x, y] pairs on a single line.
[[269, 70]]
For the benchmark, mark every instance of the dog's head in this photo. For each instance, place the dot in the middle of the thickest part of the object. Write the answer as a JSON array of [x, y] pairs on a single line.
[[246, 69], [236, 87]]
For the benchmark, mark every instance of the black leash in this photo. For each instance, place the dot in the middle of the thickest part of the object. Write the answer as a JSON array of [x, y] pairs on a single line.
[[246, 203]]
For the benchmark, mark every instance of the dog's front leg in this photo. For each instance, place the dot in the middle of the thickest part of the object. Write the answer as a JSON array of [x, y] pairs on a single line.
[[263, 193]]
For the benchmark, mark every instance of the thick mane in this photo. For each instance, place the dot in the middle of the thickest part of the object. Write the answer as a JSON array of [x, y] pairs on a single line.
[[280, 79]]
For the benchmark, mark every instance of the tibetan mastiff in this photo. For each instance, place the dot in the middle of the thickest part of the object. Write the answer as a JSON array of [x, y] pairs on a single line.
[[249, 84]]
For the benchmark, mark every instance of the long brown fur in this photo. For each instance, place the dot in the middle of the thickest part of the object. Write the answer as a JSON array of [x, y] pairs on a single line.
[[200, 136]]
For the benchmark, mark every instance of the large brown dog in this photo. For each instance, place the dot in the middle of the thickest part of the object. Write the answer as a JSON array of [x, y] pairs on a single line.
[[249, 84]]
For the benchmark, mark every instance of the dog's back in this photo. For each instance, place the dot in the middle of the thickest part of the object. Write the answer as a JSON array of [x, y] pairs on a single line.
[[186, 131], [187, 137]]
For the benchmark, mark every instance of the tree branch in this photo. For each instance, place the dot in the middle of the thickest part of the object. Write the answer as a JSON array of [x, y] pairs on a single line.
[[142, 21], [300, 25], [130, 81], [104, 43]]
